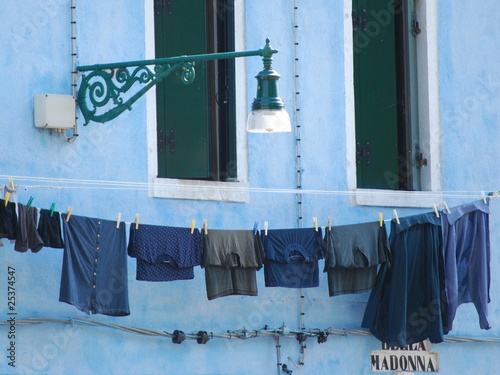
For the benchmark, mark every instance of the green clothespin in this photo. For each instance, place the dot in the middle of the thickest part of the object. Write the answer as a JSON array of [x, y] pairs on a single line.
[[29, 203], [52, 208]]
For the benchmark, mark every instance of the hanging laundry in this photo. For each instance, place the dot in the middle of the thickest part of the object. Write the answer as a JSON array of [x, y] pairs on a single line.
[[352, 254], [164, 253], [408, 303], [231, 259], [8, 220], [292, 257], [27, 234], [49, 228], [94, 272], [466, 247]]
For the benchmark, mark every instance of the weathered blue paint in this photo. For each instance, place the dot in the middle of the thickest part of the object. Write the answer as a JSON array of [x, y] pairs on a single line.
[[35, 59]]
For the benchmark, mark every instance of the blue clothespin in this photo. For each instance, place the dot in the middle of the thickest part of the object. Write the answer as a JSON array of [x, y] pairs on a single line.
[[52, 208], [29, 203], [255, 228]]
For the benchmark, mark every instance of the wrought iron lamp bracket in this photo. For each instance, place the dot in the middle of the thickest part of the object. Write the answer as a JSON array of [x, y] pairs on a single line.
[[106, 90]]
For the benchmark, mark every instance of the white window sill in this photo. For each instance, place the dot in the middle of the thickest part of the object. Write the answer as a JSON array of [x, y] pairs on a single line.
[[202, 190], [395, 198]]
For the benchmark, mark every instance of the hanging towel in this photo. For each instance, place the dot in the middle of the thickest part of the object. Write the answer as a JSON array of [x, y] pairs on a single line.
[[94, 272], [27, 234], [49, 228], [466, 247], [164, 253], [352, 254], [292, 257], [408, 303], [231, 259]]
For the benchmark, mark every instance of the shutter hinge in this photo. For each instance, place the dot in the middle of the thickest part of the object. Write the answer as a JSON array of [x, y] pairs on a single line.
[[415, 29], [363, 153], [164, 141], [359, 20]]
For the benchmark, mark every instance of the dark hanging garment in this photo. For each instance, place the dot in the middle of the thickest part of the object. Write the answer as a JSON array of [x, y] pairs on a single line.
[[94, 272], [292, 257], [231, 259], [8, 220], [466, 247], [164, 253], [49, 228], [27, 235], [352, 255], [408, 302]]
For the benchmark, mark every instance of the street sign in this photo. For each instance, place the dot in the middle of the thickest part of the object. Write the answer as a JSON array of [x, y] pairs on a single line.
[[412, 358]]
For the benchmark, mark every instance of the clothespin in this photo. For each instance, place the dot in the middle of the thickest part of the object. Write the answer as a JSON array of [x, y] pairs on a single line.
[[396, 216], [436, 210], [136, 221], [266, 224], [381, 219], [446, 208], [30, 201], [52, 207], [7, 197], [205, 226], [315, 223], [118, 219], [11, 183], [484, 197], [193, 223], [255, 228], [68, 213], [329, 223]]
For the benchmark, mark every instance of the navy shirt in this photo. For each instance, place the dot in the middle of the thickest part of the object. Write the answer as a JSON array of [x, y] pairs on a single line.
[[292, 257], [94, 273]]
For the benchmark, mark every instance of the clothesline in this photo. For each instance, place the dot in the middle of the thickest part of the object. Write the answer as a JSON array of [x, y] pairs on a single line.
[[64, 183]]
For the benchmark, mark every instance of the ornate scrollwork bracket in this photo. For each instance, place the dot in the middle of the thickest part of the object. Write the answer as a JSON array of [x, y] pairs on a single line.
[[105, 91]]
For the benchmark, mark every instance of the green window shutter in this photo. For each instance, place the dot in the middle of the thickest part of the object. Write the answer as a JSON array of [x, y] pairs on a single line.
[[196, 122], [375, 95], [385, 93], [182, 110]]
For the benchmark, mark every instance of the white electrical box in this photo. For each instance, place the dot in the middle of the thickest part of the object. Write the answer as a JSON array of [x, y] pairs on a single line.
[[55, 111]]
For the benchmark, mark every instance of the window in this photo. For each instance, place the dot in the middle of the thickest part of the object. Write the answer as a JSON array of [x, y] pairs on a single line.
[[209, 160], [392, 106], [196, 122], [387, 149]]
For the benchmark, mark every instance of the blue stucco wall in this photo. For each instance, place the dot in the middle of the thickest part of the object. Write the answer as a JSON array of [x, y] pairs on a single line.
[[35, 59]]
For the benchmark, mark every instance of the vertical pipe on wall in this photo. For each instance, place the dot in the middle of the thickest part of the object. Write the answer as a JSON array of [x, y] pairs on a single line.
[[74, 73], [298, 125]]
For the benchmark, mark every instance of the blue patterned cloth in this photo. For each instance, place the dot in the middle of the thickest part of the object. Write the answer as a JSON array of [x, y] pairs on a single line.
[[164, 253]]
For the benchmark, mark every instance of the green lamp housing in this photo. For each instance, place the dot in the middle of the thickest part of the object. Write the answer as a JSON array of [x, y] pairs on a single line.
[[268, 112]]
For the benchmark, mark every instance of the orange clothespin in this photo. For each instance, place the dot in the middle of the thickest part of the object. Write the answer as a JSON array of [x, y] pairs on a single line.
[[381, 219], [193, 223], [118, 219], [315, 223], [136, 221], [68, 213], [205, 226], [396, 216]]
